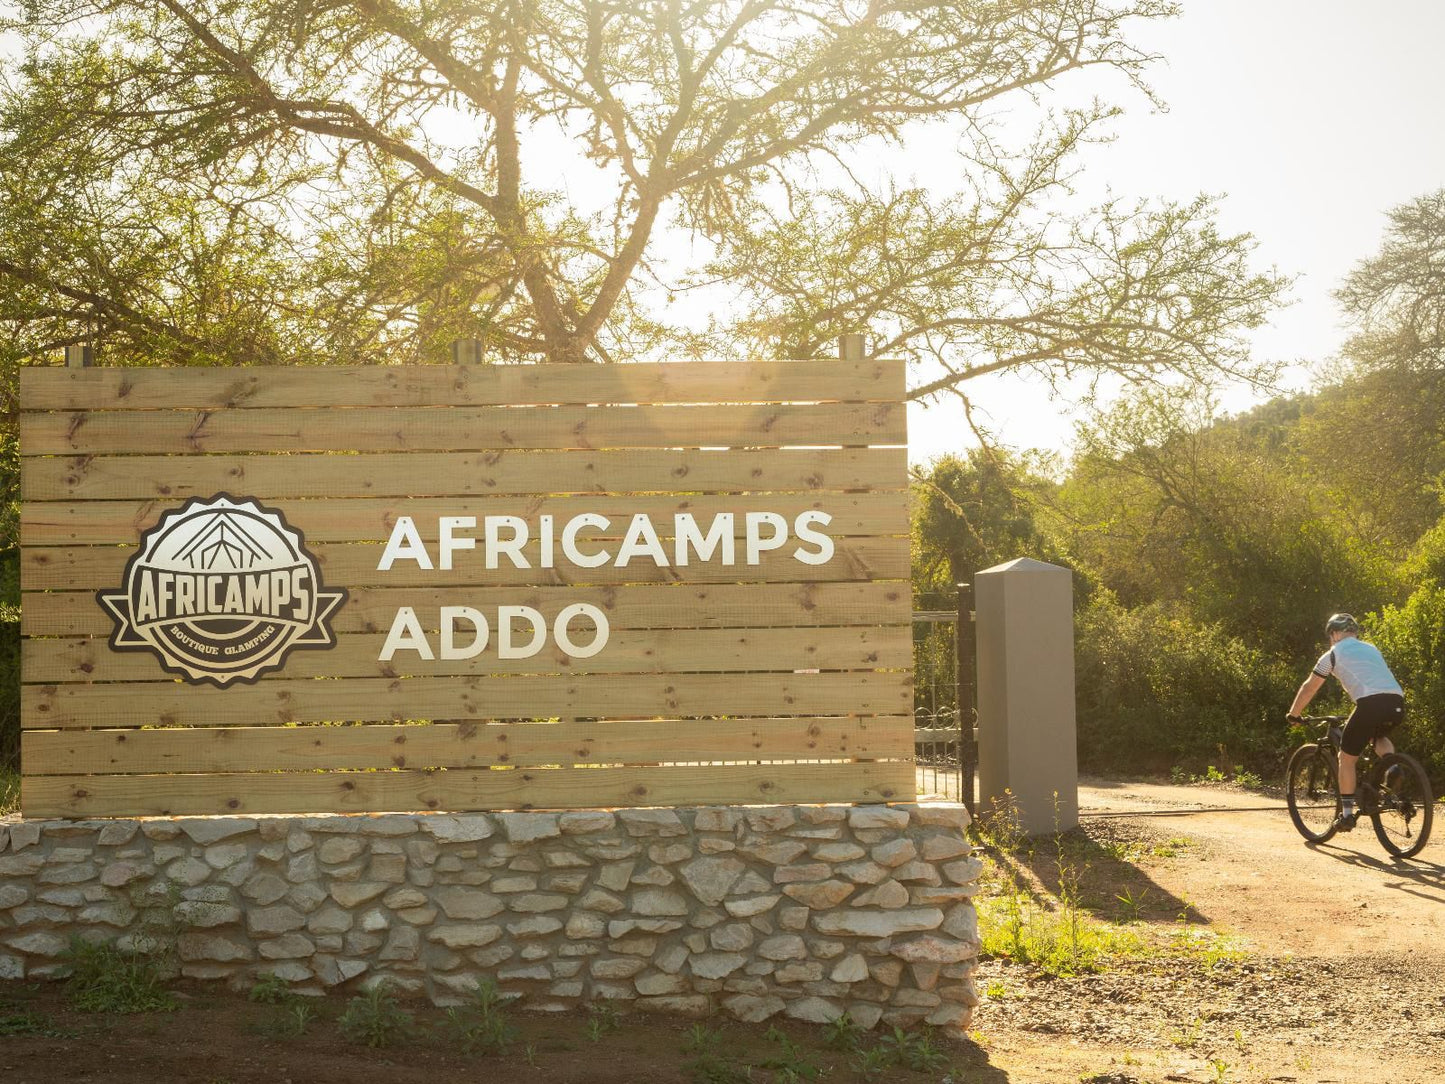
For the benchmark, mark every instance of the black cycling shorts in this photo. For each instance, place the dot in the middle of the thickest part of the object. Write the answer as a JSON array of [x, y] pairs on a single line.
[[1373, 717]]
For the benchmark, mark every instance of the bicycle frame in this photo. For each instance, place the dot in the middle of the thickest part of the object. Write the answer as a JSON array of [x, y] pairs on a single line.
[[1331, 733]]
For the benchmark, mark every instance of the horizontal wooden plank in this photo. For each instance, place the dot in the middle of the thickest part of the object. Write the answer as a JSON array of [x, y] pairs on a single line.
[[46, 388], [514, 788], [466, 745], [641, 606], [350, 565], [628, 651], [360, 519], [435, 474], [459, 429], [595, 696]]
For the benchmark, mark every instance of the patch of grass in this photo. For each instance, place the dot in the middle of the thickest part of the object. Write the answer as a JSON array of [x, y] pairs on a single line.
[[375, 1019], [9, 791], [872, 1064], [1247, 780], [1206, 947], [1133, 903], [270, 989], [711, 1068], [1187, 1038], [1061, 941], [105, 979], [843, 1034], [701, 1039], [1128, 852], [1170, 848], [791, 1064], [14, 1021], [603, 1019], [295, 1012], [291, 1021], [481, 1025], [918, 1051]]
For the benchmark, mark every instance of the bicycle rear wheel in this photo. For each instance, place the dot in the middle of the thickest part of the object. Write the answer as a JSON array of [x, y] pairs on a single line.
[[1406, 807], [1312, 793]]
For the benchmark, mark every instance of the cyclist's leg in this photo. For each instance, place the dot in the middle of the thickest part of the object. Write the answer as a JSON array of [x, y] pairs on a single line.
[[1347, 773], [1359, 729], [1392, 713]]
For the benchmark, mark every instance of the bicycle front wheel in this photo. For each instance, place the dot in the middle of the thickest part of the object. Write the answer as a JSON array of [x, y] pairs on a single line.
[[1406, 807], [1312, 793]]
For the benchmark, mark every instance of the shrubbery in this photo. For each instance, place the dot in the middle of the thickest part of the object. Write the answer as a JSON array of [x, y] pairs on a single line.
[[1412, 638], [1156, 690]]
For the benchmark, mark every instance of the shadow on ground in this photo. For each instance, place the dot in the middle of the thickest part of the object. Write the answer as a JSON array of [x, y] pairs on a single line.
[[1097, 866], [1418, 877]]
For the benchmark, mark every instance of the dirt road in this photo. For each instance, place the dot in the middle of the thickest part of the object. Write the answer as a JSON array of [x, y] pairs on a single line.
[[1340, 974]]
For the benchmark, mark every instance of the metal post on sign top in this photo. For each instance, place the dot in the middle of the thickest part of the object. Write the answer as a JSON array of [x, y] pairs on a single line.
[[467, 352], [79, 356], [852, 347], [965, 662]]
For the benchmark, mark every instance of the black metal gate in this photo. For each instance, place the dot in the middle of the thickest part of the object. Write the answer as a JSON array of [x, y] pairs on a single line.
[[944, 742]]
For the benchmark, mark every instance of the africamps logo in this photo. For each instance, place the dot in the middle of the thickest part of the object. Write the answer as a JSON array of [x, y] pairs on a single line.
[[221, 591]]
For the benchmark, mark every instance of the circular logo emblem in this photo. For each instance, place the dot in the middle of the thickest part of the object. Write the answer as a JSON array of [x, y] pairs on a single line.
[[221, 591]]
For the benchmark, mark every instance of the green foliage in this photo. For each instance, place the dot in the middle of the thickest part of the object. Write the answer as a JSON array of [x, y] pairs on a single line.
[[105, 979], [971, 512], [872, 1063], [709, 1068], [917, 1051], [1156, 689], [15, 1020], [1058, 941], [375, 1019], [701, 1039], [270, 989], [1168, 505], [1412, 639], [792, 1064], [602, 1019], [9, 619], [291, 1020], [842, 1033], [481, 1026], [267, 180]]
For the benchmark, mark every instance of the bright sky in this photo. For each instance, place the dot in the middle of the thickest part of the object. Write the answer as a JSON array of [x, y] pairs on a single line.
[[1311, 117]]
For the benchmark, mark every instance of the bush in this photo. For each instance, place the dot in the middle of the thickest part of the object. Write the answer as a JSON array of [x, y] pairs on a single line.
[[1156, 690], [1412, 638], [105, 979], [374, 1018]]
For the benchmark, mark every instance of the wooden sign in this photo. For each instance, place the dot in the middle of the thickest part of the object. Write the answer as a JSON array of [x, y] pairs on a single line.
[[463, 587]]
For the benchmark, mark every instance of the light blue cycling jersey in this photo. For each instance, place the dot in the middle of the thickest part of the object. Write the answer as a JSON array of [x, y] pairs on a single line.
[[1360, 667]]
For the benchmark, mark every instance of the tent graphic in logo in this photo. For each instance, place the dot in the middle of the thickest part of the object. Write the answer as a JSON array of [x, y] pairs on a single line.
[[221, 591]]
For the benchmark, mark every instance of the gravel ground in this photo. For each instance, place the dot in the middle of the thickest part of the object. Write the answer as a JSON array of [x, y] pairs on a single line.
[[1336, 970]]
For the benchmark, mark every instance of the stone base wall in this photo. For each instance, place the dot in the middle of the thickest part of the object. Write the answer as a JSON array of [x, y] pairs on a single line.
[[806, 911]]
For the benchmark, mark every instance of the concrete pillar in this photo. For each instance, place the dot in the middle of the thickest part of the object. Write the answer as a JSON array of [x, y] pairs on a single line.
[[1026, 732]]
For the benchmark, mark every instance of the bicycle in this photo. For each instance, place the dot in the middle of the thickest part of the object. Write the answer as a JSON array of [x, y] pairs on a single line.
[[1393, 791]]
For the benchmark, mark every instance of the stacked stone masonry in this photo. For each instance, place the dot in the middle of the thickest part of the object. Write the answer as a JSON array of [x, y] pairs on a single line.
[[805, 911]]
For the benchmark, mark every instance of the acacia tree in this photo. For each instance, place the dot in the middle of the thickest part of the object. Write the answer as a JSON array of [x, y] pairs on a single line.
[[1382, 430], [266, 180]]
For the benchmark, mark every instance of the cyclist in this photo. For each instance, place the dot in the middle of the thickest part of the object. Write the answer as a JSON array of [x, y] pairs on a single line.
[[1379, 702]]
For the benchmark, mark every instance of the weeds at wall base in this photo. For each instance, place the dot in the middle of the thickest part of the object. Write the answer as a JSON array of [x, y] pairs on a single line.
[[376, 1020], [105, 979]]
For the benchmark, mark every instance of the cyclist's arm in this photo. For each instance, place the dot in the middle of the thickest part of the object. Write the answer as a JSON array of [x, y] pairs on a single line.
[[1312, 685]]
